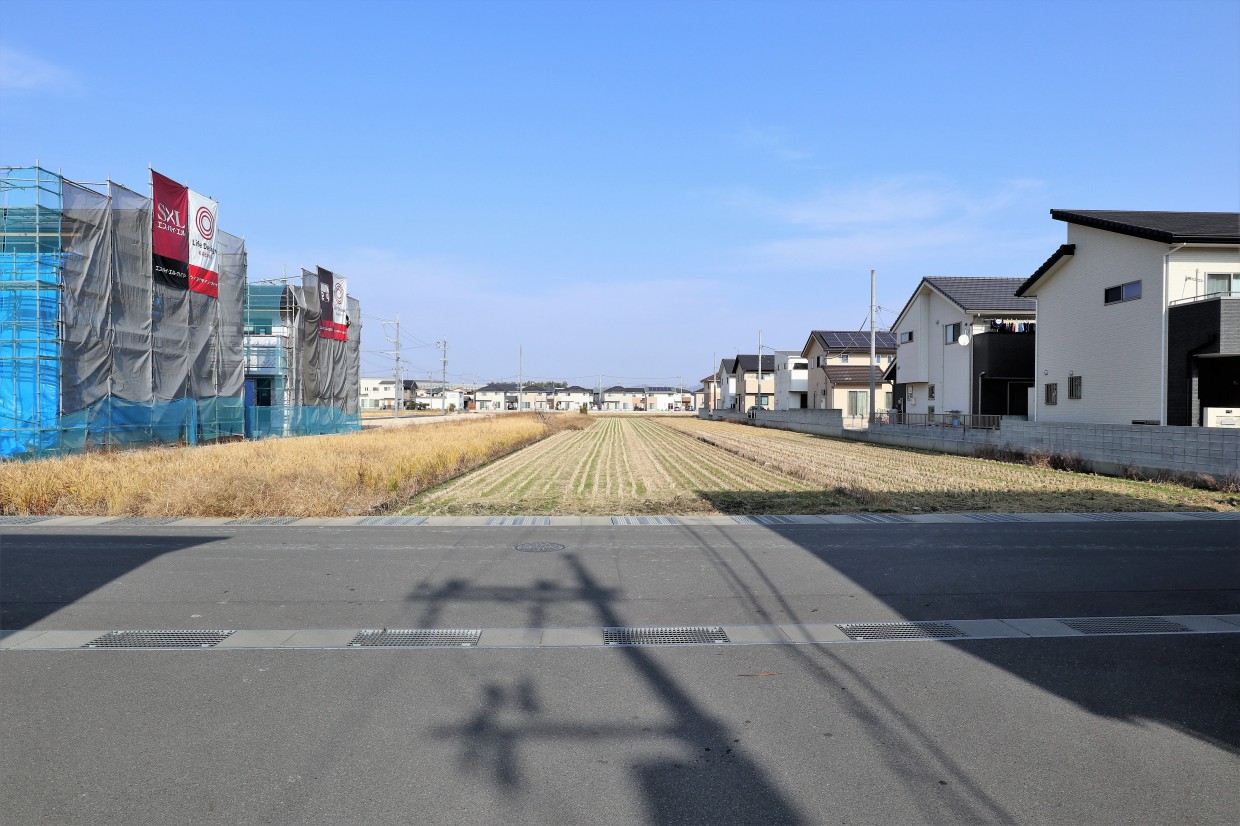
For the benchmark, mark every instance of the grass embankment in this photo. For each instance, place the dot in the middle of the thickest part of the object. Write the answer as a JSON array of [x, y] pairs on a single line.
[[352, 474], [875, 477]]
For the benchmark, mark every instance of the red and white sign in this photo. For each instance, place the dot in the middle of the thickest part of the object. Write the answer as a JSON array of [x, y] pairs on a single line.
[[170, 231], [183, 237], [333, 305], [204, 268], [340, 307]]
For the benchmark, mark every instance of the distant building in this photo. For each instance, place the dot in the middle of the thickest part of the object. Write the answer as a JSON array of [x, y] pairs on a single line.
[[839, 372]]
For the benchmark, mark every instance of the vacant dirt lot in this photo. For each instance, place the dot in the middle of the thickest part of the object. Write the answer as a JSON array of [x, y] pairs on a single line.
[[646, 466]]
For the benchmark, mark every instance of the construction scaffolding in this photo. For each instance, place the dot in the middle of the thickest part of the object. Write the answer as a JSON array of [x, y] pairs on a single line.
[[95, 353]]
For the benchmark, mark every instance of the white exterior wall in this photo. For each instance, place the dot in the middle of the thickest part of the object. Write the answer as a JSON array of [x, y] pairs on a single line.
[[790, 383], [927, 360], [1186, 276], [1122, 381], [376, 393]]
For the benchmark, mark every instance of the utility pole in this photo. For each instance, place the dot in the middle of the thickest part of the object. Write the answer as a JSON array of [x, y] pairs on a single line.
[[714, 385], [873, 348], [520, 383], [757, 397], [398, 392], [442, 344]]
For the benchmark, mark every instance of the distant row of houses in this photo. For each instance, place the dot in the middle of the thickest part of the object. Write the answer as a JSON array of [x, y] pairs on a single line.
[[1135, 320], [377, 393]]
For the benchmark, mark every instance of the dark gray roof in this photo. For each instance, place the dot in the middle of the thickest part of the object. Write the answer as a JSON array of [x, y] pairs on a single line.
[[854, 340], [1167, 227], [728, 365], [511, 387], [1063, 251], [852, 374], [984, 293], [748, 363]]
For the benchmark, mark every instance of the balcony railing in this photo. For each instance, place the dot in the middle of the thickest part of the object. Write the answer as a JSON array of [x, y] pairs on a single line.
[[1205, 297], [965, 421]]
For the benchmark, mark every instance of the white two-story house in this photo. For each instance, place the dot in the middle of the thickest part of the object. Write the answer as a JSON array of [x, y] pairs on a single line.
[[791, 380], [1139, 319], [965, 346], [725, 386]]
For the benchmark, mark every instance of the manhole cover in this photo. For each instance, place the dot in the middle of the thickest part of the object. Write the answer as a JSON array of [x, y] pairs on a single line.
[[539, 547]]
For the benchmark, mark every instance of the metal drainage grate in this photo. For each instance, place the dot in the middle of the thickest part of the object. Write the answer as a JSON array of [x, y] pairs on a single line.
[[143, 520], [23, 520], [539, 547], [878, 517], [994, 517], [664, 636], [265, 520], [159, 639], [899, 630], [417, 638], [764, 520], [392, 520], [644, 520], [519, 520], [1108, 517], [1124, 625]]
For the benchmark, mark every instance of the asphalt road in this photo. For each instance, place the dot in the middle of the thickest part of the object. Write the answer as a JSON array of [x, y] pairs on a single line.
[[1098, 729]]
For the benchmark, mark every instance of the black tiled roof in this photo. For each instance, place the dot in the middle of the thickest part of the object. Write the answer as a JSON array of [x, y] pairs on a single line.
[[748, 363], [1167, 227], [1063, 251], [854, 340], [984, 293], [728, 365], [852, 374]]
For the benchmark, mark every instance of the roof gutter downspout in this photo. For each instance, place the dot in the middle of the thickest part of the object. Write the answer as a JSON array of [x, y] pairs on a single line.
[[1166, 314]]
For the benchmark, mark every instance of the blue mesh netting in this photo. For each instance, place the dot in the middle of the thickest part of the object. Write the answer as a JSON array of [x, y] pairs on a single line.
[[266, 422]]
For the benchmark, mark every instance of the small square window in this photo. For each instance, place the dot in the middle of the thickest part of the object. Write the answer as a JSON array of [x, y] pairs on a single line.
[[906, 337], [843, 358], [1052, 393], [951, 333], [1074, 387], [930, 392]]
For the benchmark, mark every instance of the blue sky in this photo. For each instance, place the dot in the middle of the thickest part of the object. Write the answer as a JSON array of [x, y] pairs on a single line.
[[626, 189]]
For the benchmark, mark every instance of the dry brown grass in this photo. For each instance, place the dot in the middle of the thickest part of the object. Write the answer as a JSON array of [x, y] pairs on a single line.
[[895, 479], [342, 475]]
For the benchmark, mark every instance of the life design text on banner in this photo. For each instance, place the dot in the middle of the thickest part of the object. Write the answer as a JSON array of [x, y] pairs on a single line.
[[340, 307], [170, 232], [204, 255]]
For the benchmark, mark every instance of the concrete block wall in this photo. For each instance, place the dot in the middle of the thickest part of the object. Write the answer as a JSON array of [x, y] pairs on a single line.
[[1109, 449]]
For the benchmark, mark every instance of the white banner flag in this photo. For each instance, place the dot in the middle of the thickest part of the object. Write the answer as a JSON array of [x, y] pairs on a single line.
[[203, 250]]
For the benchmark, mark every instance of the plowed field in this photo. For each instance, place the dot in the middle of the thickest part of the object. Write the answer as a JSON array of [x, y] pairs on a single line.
[[689, 466]]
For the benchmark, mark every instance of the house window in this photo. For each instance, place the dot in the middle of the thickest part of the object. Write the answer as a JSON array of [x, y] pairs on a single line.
[[858, 403], [905, 338], [1052, 393], [1074, 387], [930, 392], [843, 358], [951, 332], [820, 361], [1222, 282], [1123, 292]]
